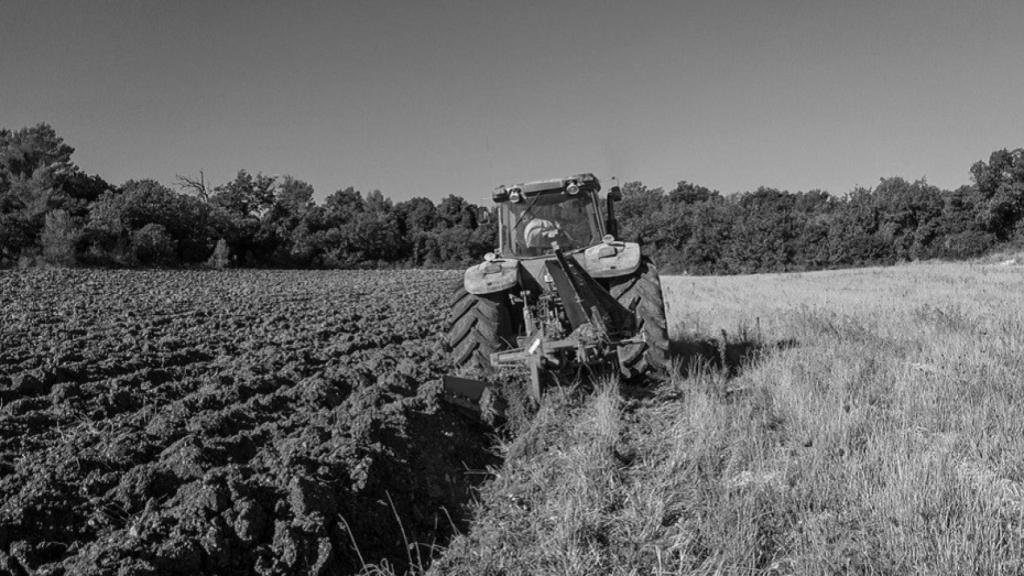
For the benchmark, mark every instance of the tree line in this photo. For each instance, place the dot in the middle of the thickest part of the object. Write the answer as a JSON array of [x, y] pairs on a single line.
[[694, 229], [52, 211]]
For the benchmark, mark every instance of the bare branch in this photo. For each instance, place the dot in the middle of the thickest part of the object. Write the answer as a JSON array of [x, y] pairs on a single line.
[[192, 185]]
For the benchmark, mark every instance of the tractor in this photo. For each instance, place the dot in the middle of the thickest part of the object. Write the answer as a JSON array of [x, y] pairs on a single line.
[[561, 295]]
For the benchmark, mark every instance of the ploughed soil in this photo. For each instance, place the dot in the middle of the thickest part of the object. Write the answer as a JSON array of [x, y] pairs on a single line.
[[240, 422]]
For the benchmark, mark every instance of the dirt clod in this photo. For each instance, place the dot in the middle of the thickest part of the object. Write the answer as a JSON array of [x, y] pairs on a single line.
[[225, 422]]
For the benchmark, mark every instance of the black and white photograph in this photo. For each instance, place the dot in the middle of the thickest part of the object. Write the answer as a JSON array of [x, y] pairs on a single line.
[[491, 288]]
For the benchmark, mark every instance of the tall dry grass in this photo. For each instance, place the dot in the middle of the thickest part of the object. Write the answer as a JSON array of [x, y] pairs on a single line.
[[885, 436]]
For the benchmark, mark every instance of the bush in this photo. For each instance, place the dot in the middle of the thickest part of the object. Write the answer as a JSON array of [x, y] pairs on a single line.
[[221, 257], [152, 245], [967, 244], [59, 237]]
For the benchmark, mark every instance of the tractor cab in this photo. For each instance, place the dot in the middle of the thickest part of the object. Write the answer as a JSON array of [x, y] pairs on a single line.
[[536, 217]]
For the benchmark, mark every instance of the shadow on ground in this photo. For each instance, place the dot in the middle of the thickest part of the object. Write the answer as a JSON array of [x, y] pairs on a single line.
[[419, 496], [726, 354]]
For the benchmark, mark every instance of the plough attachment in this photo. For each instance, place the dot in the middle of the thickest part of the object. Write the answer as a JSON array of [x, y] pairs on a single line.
[[479, 398]]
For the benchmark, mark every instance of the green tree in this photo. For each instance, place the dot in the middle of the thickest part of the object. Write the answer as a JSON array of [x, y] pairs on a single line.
[[455, 211], [689, 193], [189, 222], [377, 202], [292, 199], [152, 245], [247, 195], [417, 218], [640, 211], [25, 151], [418, 214], [1000, 183], [59, 238], [342, 206]]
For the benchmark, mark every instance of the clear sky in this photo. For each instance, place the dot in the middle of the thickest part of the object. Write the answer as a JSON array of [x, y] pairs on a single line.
[[432, 98]]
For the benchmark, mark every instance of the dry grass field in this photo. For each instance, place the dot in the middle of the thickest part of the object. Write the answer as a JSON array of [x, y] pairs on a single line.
[[850, 422]]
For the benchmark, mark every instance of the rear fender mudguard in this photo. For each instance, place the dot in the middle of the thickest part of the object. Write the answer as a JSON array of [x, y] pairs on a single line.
[[611, 259], [491, 277]]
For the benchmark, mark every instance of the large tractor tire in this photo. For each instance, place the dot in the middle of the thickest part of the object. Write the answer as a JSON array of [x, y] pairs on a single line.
[[641, 292], [477, 327]]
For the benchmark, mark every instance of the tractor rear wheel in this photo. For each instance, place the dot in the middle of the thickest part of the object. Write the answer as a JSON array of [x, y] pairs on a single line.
[[641, 293], [478, 325]]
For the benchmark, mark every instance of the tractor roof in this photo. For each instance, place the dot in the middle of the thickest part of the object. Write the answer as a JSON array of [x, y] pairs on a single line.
[[571, 185]]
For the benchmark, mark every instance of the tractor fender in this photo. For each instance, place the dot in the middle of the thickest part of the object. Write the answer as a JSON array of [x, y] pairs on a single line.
[[493, 276], [611, 259]]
